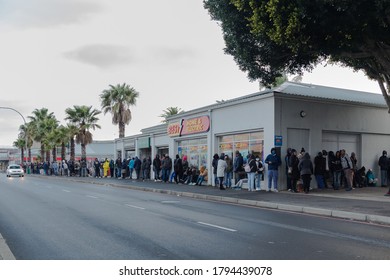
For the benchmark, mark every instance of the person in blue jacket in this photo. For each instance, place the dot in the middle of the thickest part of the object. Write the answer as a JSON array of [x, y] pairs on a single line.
[[273, 161]]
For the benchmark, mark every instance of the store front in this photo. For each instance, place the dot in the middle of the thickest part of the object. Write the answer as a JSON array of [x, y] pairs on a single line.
[[195, 150], [245, 143]]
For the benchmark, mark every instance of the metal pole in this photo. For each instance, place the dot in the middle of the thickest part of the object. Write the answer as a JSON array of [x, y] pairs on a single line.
[[25, 124]]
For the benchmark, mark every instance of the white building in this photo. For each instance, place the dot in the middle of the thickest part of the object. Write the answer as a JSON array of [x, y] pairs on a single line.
[[293, 115]]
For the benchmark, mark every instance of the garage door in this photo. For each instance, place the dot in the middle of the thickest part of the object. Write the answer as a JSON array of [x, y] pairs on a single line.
[[334, 141]]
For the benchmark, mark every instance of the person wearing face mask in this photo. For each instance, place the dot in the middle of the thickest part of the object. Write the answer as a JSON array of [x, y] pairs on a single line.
[[273, 161], [384, 165]]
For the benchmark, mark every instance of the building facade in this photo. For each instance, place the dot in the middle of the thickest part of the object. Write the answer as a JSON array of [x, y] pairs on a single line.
[[294, 115]]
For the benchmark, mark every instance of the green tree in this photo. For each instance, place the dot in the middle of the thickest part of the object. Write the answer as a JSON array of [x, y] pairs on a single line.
[[267, 38], [85, 119], [42, 122], [72, 131], [20, 143], [170, 111], [26, 132], [117, 101]]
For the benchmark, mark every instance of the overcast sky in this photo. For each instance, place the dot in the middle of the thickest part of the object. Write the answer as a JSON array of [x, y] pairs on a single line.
[[57, 53]]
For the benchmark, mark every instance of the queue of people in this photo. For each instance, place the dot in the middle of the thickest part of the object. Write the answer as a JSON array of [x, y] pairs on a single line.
[[335, 170]]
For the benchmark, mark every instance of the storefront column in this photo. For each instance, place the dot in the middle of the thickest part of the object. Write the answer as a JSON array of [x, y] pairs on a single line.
[[210, 149]]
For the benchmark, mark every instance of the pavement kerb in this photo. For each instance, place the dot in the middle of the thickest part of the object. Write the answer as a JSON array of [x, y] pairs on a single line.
[[377, 219], [5, 252]]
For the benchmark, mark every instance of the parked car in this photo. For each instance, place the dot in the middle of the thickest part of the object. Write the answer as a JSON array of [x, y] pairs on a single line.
[[15, 170]]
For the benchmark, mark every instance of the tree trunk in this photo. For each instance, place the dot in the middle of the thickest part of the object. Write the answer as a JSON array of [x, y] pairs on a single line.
[[54, 153], [42, 152], [121, 130], [22, 155], [29, 155], [63, 151], [83, 151], [72, 149], [48, 155]]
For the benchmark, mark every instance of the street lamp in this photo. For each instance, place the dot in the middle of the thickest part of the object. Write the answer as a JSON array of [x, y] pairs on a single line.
[[25, 124]]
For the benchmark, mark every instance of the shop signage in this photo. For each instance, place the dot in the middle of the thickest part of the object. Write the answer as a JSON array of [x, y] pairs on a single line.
[[278, 141], [189, 126], [143, 143]]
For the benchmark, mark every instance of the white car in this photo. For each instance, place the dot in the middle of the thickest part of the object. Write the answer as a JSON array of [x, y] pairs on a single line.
[[15, 170]]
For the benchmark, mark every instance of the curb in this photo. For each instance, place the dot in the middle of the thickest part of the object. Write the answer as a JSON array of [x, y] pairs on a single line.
[[375, 219], [5, 252]]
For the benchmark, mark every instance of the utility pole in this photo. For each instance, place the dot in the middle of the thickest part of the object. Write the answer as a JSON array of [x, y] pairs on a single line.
[[25, 124]]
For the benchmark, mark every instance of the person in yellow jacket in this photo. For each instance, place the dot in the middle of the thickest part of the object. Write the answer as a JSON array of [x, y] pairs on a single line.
[[106, 167]]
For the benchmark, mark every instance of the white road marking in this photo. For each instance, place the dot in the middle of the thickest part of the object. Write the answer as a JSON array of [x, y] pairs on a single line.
[[66, 191], [133, 206], [216, 226], [91, 196]]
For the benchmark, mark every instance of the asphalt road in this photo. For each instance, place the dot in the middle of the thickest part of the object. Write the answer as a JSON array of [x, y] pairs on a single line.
[[50, 219]]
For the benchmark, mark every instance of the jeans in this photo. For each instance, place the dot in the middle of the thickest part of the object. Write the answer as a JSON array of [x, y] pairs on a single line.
[[165, 175], [383, 177], [228, 179], [83, 171], [200, 180], [251, 181], [273, 175], [320, 181], [258, 180], [336, 180]]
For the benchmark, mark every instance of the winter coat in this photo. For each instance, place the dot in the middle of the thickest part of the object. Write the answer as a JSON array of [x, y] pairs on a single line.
[[221, 167], [305, 165]]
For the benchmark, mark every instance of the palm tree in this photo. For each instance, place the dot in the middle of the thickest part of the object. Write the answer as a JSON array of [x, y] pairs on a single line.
[[170, 111], [72, 132], [117, 100], [63, 139], [42, 123], [26, 132], [21, 144], [84, 118]]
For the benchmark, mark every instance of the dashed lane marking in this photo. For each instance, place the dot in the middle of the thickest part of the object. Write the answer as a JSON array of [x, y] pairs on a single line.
[[133, 206], [216, 226]]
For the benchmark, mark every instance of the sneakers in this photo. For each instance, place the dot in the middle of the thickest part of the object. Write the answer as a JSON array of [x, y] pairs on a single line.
[[268, 190], [276, 190]]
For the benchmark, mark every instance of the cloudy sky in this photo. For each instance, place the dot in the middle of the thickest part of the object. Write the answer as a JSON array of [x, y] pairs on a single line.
[[57, 53]]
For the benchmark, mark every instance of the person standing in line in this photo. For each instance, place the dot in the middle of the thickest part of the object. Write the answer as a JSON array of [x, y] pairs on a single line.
[[166, 167], [238, 166], [221, 168], [319, 170], [137, 167], [347, 166], [112, 168], [287, 162], [131, 167], [156, 168], [106, 167], [251, 173], [118, 164], [259, 173], [228, 172], [305, 167], [295, 174], [214, 164], [178, 168], [384, 166], [273, 161], [96, 166]]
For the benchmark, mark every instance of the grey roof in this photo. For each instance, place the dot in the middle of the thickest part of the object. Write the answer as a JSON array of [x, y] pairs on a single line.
[[330, 93]]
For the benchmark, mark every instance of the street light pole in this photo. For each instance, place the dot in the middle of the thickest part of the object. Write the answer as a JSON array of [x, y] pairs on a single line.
[[25, 124]]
